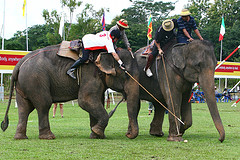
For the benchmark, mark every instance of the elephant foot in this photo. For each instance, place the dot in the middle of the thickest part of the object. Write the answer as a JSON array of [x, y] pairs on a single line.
[[47, 136], [175, 138], [95, 136], [131, 135], [20, 136], [99, 132], [157, 134]]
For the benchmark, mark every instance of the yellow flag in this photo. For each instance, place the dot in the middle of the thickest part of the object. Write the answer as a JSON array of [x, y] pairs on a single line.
[[24, 4]]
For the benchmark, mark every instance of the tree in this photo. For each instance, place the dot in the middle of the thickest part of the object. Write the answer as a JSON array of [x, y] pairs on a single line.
[[88, 22], [209, 17], [137, 17], [72, 5], [141, 9], [199, 10], [53, 21]]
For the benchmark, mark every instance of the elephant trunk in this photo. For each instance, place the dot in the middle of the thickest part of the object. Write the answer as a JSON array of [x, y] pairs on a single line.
[[206, 80]]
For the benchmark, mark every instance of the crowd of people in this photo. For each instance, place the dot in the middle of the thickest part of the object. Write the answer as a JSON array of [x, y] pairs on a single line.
[[225, 96]]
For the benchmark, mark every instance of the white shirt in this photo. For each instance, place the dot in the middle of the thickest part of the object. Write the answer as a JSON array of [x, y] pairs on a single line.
[[101, 40]]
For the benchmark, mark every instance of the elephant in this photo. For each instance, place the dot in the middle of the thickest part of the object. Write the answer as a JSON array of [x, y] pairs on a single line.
[[40, 79], [185, 65]]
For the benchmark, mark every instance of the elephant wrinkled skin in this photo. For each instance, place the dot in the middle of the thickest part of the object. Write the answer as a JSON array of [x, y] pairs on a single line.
[[196, 62], [40, 79]]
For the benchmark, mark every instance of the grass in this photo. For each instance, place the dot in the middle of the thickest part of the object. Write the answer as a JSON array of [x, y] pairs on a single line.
[[72, 136]]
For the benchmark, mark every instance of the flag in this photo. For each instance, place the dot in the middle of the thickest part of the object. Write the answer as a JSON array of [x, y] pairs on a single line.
[[23, 8], [103, 22], [61, 26], [222, 30], [149, 34]]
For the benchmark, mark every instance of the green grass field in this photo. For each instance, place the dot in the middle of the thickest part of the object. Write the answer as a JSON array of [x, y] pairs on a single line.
[[72, 136]]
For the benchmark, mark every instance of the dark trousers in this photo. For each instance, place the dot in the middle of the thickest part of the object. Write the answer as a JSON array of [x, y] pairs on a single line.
[[152, 56], [82, 59]]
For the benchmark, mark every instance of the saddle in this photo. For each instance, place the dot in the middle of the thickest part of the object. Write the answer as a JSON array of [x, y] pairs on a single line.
[[76, 45], [64, 51]]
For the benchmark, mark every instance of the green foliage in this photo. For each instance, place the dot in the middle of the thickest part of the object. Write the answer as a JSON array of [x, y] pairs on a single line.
[[53, 21], [88, 23], [206, 13], [72, 136], [137, 33], [144, 8], [71, 4]]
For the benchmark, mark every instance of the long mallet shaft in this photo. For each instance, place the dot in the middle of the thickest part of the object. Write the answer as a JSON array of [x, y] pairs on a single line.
[[154, 97]]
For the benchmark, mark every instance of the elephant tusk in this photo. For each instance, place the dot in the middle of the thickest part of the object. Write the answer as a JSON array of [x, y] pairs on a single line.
[[154, 97]]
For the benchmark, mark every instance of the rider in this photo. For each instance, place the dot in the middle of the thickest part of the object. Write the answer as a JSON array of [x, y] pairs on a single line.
[[102, 40], [186, 24], [164, 34], [121, 26]]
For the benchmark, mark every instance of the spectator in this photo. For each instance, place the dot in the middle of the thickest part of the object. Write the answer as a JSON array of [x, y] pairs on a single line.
[[217, 94], [55, 108], [150, 108]]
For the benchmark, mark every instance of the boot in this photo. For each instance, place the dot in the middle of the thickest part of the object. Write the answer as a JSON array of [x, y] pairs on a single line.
[[148, 72], [149, 63], [70, 72], [75, 65]]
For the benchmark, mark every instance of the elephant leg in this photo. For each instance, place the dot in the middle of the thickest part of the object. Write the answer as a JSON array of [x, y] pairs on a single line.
[[98, 115], [157, 122], [24, 109], [186, 113], [133, 110], [44, 126], [93, 122], [43, 104], [174, 124]]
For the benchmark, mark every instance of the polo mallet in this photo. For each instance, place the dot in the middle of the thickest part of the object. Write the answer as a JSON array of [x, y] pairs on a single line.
[[153, 97], [132, 54], [112, 111]]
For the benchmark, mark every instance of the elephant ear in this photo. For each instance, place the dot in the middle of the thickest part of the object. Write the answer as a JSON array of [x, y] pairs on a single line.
[[105, 63], [178, 57]]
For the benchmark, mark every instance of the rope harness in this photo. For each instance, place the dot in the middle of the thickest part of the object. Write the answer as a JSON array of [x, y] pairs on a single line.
[[170, 93]]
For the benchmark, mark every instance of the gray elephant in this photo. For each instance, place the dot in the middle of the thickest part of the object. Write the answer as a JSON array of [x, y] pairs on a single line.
[[185, 65], [40, 79]]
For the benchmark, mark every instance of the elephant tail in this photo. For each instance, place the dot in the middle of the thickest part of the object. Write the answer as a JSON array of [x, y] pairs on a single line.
[[5, 122]]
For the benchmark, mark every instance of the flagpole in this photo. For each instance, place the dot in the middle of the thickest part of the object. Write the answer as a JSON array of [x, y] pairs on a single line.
[[221, 44], [3, 26], [26, 28], [220, 61]]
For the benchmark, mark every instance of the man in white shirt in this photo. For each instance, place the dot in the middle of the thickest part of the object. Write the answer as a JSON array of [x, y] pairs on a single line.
[[102, 40]]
